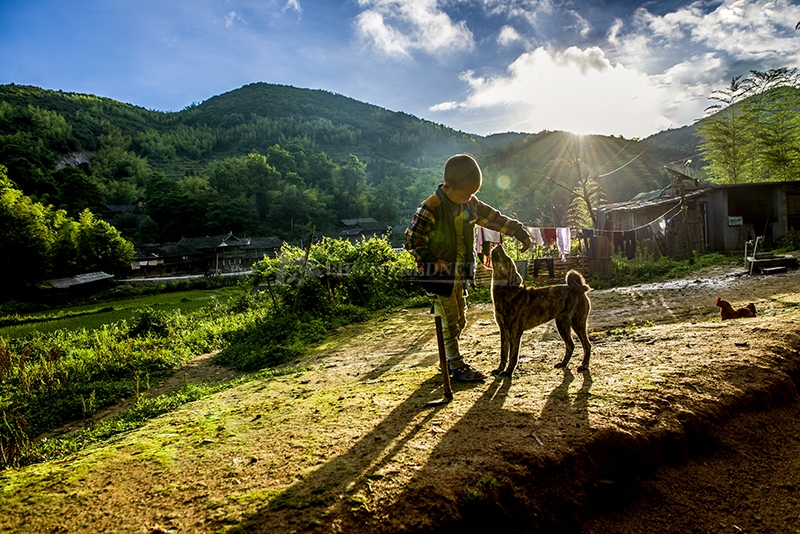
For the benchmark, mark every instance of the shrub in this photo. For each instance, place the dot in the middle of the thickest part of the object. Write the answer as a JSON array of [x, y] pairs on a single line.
[[789, 242], [156, 323]]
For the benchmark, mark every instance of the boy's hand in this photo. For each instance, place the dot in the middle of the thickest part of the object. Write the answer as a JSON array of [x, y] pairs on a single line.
[[441, 266], [526, 244]]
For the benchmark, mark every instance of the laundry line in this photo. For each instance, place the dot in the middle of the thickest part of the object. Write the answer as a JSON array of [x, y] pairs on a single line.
[[598, 231]]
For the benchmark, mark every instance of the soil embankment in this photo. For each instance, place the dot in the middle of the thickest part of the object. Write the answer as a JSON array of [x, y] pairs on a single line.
[[679, 411]]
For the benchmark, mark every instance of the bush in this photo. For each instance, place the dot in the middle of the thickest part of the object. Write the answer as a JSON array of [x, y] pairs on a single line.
[[156, 323], [789, 242]]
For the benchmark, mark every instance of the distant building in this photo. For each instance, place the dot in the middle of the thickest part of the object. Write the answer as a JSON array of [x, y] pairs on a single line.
[[718, 217], [81, 285], [220, 253], [354, 230]]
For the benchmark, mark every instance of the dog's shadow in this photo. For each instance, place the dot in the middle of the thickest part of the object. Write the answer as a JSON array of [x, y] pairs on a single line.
[[565, 409]]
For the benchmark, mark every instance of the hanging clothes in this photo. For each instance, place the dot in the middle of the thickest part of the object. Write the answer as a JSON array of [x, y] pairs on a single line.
[[488, 240], [536, 235], [658, 227], [479, 244], [629, 238], [619, 244], [492, 236], [589, 241], [563, 241], [549, 235]]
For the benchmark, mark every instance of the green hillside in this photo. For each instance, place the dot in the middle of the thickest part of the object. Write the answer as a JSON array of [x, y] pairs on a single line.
[[272, 160]]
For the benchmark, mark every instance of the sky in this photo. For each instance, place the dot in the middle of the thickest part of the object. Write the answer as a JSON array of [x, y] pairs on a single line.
[[624, 67]]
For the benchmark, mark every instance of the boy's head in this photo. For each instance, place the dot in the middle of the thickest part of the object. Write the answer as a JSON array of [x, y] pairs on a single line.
[[462, 178]]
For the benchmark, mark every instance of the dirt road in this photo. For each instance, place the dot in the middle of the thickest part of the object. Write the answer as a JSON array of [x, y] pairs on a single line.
[[684, 423]]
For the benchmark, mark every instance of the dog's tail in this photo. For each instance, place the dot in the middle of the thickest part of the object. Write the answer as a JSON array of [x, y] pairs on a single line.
[[576, 282]]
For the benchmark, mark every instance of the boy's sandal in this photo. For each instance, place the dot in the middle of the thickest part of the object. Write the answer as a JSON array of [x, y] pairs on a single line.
[[466, 373]]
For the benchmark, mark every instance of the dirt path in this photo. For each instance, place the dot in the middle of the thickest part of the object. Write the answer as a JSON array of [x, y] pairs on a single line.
[[673, 393]]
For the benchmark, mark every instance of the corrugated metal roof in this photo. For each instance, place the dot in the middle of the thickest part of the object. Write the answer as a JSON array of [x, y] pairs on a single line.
[[80, 279], [635, 204]]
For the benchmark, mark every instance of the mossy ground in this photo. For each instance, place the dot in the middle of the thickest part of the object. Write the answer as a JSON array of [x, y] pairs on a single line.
[[348, 445]]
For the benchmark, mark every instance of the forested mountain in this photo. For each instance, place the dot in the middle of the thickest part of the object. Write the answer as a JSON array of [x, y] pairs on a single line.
[[271, 160]]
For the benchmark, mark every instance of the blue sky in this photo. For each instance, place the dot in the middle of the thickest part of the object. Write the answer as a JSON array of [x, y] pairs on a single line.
[[481, 66]]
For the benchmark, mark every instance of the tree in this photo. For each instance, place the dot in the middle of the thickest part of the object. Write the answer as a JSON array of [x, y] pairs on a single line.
[[320, 171], [281, 160], [296, 209], [77, 191], [25, 235], [101, 247], [232, 214], [64, 253], [148, 231], [386, 201], [752, 133], [350, 188]]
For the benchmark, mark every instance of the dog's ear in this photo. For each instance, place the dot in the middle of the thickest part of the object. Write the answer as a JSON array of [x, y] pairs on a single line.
[[514, 278]]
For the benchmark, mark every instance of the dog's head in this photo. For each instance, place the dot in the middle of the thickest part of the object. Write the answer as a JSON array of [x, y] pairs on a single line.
[[504, 272]]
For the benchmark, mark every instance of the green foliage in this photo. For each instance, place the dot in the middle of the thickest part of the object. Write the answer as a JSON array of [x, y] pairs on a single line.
[[789, 242], [45, 242], [157, 323], [754, 132], [47, 379], [272, 160], [368, 273], [340, 284]]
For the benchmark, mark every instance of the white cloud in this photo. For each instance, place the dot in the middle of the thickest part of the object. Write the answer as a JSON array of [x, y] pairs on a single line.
[[445, 106], [614, 30], [388, 40], [574, 90], [523, 9], [293, 5], [231, 18], [508, 36], [400, 27], [583, 25], [656, 71], [740, 29]]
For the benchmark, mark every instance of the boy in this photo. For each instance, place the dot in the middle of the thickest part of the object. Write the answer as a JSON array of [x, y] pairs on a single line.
[[441, 238]]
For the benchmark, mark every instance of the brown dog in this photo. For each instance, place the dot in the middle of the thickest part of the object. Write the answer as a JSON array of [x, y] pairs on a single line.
[[518, 308]]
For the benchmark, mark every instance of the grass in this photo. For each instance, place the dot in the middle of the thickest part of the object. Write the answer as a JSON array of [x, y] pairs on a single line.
[[143, 409], [92, 358], [95, 315], [63, 365]]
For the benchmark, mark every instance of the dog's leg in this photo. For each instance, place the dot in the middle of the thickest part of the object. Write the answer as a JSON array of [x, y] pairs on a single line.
[[583, 335], [503, 351], [514, 339], [565, 331]]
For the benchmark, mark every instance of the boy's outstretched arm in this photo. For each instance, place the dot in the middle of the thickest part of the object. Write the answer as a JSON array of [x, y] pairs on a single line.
[[490, 218]]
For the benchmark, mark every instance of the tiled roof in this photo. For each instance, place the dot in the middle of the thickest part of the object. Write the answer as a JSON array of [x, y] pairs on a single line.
[[262, 242]]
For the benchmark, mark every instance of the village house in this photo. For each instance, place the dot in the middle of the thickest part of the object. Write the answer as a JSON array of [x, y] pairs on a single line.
[[210, 254], [354, 230], [686, 215]]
